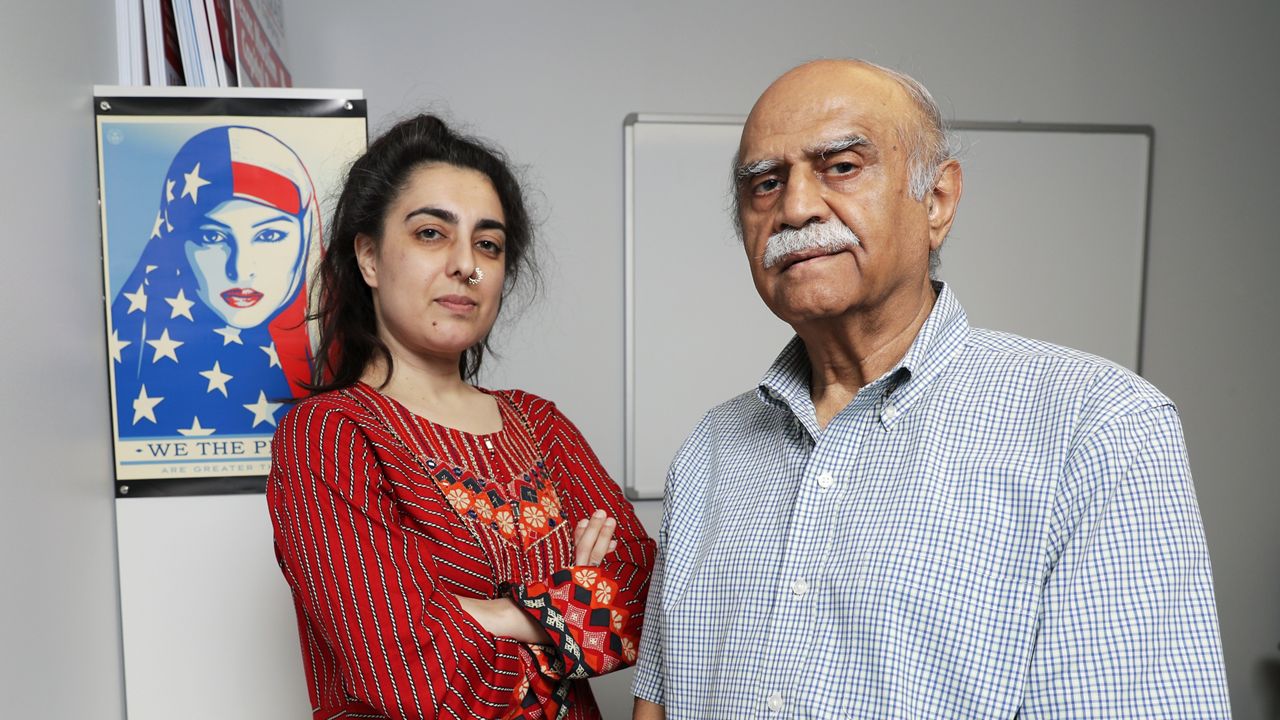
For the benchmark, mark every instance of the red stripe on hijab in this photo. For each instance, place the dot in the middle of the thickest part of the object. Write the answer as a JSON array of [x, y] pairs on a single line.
[[265, 186]]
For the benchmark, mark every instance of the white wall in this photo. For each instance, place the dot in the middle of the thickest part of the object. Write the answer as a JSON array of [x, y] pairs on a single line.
[[60, 625], [551, 81]]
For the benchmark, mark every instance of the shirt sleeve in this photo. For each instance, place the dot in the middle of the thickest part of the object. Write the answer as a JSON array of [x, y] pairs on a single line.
[[647, 683], [593, 614], [1128, 622], [679, 538], [368, 589]]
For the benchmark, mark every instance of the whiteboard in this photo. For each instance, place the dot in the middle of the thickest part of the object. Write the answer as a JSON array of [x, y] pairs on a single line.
[[1049, 242]]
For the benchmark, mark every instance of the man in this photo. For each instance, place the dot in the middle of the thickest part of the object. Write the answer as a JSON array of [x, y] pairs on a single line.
[[910, 517]]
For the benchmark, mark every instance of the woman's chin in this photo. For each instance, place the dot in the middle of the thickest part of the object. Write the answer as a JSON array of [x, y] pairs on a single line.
[[240, 323], [448, 349], [245, 319], [452, 349]]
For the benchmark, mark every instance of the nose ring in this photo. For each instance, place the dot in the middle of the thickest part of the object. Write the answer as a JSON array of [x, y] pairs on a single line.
[[475, 277]]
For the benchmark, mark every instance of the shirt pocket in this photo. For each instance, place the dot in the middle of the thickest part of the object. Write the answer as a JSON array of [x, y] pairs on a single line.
[[916, 637]]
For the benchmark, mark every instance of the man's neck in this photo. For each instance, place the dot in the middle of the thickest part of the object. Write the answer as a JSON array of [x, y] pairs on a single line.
[[847, 352]]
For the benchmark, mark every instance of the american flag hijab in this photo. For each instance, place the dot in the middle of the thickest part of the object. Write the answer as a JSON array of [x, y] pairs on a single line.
[[208, 333]]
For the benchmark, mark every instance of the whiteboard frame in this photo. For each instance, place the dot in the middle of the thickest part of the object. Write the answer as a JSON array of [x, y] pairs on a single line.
[[628, 223]]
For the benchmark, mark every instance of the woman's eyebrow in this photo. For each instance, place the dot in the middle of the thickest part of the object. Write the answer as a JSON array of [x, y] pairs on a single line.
[[445, 215], [491, 224], [277, 218]]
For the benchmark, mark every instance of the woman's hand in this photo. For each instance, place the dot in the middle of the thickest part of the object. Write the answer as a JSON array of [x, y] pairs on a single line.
[[502, 618], [593, 538]]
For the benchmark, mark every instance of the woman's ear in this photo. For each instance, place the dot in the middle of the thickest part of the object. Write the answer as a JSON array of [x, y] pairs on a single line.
[[367, 259]]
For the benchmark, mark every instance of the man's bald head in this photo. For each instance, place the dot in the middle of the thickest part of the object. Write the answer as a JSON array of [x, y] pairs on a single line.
[[813, 87], [925, 132]]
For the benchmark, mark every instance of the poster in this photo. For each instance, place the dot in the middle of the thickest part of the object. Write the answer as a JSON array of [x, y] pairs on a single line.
[[212, 224]]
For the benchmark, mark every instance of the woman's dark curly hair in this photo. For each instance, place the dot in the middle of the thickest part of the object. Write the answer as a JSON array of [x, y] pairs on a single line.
[[348, 326]]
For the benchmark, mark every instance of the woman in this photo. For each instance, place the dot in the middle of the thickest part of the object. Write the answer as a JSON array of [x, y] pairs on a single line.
[[209, 325], [453, 551]]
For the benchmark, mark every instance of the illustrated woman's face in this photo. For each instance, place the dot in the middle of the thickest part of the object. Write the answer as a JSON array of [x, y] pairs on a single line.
[[246, 257]]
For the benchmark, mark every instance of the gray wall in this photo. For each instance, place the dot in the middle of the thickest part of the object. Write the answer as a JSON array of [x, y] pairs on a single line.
[[60, 625], [552, 81]]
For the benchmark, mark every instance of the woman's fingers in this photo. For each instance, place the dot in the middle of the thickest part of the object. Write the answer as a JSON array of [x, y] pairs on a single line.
[[604, 538], [585, 542], [593, 538]]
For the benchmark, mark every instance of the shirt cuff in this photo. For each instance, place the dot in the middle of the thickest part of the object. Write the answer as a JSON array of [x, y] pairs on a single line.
[[647, 684], [577, 608], [542, 692]]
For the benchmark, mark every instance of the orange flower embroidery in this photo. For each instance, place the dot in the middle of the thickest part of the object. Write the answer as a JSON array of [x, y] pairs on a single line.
[[628, 650], [459, 498], [604, 593], [534, 516], [506, 524], [585, 578], [551, 505]]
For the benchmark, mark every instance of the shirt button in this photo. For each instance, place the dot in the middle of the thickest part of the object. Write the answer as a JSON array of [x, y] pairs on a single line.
[[890, 412], [799, 587], [825, 480], [775, 702]]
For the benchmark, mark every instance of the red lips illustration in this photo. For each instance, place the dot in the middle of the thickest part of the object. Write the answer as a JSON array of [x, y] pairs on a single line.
[[242, 297]]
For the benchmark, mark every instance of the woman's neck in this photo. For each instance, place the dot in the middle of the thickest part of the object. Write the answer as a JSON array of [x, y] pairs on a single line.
[[433, 389]]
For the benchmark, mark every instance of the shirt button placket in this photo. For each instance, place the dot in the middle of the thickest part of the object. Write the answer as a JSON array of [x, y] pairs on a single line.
[[890, 412], [775, 702], [800, 587]]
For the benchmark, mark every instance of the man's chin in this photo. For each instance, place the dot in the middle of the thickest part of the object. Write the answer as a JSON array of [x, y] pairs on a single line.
[[798, 312]]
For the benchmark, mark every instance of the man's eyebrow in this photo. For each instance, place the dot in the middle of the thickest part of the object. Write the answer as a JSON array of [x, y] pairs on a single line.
[[746, 171], [831, 147], [445, 215]]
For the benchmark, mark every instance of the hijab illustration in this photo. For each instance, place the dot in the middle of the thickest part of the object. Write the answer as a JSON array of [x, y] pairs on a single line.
[[208, 332]]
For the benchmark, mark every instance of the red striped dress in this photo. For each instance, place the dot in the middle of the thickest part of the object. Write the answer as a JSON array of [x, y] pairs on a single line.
[[382, 519]]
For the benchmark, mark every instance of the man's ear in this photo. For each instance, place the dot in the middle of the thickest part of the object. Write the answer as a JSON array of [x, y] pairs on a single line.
[[942, 201], [367, 259]]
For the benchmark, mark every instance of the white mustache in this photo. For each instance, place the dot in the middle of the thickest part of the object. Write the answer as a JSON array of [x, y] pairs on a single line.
[[832, 235]]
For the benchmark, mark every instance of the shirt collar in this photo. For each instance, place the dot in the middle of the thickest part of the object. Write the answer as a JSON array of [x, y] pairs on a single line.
[[940, 339], [942, 336]]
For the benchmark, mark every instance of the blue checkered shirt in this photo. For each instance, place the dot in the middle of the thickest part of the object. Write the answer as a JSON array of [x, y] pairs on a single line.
[[995, 528]]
